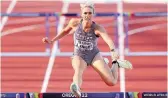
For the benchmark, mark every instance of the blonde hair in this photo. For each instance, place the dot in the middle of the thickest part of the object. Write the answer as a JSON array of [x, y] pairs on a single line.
[[87, 4]]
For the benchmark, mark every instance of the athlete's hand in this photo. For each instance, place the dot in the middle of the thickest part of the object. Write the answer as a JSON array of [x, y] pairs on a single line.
[[46, 40], [114, 55]]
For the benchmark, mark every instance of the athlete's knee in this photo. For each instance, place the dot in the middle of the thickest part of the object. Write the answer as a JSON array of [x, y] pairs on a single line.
[[78, 67], [78, 70], [111, 82]]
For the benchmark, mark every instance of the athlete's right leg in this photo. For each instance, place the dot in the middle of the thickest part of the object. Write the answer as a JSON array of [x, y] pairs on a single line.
[[79, 65]]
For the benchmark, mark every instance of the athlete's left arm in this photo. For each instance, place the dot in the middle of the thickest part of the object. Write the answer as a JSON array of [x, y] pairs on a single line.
[[100, 31]]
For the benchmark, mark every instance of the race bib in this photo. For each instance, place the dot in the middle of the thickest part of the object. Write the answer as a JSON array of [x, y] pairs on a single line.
[[83, 45]]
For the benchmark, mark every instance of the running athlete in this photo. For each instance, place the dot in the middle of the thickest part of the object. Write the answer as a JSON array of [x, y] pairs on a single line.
[[86, 32]]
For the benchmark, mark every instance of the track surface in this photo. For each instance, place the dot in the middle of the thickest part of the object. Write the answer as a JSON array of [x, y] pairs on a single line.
[[26, 74]]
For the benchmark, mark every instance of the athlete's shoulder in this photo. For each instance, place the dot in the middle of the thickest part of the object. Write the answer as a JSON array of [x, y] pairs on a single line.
[[74, 22], [98, 27]]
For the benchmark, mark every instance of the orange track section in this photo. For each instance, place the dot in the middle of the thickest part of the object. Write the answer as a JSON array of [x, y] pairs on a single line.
[[26, 74]]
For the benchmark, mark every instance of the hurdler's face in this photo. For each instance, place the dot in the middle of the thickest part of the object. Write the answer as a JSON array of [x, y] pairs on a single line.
[[87, 14]]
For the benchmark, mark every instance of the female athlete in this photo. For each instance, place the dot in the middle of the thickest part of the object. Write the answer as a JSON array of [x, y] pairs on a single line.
[[86, 32]]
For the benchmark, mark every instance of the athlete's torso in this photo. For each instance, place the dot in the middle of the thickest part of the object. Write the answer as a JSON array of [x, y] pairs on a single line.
[[85, 42]]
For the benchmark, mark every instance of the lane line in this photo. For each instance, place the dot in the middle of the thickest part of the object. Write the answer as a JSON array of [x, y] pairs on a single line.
[[3, 22], [54, 50], [152, 27], [121, 45], [9, 10]]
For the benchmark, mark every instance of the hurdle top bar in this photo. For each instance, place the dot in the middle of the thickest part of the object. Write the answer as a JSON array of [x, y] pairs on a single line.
[[137, 14], [54, 14]]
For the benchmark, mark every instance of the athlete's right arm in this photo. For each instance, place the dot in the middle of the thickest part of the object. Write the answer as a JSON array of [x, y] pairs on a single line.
[[72, 23]]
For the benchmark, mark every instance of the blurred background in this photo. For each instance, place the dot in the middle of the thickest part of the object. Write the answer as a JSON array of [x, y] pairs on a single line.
[[27, 64]]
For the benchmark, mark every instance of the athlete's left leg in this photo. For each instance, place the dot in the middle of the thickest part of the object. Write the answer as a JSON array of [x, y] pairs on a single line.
[[109, 77]]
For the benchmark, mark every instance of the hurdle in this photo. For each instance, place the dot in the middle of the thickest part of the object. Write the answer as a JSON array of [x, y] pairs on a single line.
[[47, 25]]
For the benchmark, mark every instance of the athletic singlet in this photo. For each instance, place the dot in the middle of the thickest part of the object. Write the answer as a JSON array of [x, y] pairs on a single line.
[[85, 43]]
